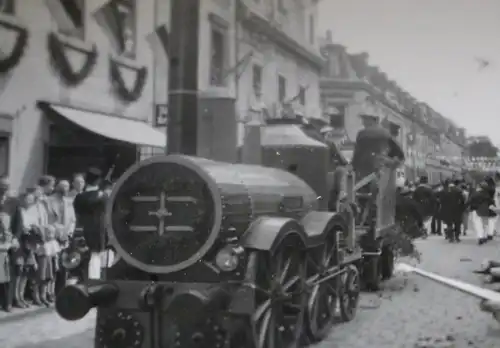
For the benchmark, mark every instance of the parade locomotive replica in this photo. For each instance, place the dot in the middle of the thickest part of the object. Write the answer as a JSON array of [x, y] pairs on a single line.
[[214, 254]]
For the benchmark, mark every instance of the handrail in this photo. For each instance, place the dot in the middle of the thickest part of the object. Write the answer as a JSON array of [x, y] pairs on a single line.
[[363, 182]]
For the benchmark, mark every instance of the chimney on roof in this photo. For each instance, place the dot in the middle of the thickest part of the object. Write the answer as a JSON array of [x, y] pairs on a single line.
[[329, 36]]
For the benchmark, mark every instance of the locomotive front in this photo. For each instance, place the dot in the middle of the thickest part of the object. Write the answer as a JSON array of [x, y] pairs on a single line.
[[184, 229]]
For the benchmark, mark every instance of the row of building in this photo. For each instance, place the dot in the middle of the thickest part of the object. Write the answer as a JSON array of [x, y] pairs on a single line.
[[356, 94], [85, 82]]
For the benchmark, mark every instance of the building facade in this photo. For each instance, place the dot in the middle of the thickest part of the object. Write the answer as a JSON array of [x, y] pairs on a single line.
[[85, 82], [361, 95], [276, 41]]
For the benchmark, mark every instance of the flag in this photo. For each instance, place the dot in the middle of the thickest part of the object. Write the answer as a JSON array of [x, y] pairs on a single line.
[[295, 97], [67, 14], [106, 18], [159, 39], [239, 67]]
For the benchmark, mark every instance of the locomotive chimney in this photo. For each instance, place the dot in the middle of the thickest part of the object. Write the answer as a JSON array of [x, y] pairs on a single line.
[[182, 127]]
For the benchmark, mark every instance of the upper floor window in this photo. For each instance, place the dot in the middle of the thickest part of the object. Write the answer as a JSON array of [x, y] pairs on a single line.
[[218, 58], [67, 15], [312, 29], [281, 88], [4, 155], [257, 79], [8, 6], [302, 95], [118, 19], [394, 129], [337, 119], [126, 26], [369, 120]]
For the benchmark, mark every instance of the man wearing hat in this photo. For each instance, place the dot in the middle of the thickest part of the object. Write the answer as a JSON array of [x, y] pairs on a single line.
[[89, 208], [9, 243]]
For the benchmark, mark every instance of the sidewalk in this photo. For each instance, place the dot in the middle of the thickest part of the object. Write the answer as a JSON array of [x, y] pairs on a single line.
[[22, 313]]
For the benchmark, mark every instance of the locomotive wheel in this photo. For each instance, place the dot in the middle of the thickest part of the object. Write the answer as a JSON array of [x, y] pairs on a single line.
[[281, 298], [349, 296], [323, 297]]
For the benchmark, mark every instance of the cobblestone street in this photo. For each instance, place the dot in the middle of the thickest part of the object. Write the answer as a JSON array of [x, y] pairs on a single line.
[[415, 313], [411, 312]]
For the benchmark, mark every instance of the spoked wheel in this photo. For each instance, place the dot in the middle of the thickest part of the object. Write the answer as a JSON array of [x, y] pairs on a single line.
[[281, 298], [323, 298], [349, 297]]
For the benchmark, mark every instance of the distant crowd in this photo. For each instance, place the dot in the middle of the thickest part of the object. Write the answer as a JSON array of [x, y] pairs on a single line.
[[455, 205], [37, 226]]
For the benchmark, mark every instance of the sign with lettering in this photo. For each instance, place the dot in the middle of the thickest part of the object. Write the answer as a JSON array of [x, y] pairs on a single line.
[[161, 115]]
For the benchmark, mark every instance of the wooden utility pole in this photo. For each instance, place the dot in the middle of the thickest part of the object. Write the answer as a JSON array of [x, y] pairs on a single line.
[[182, 127]]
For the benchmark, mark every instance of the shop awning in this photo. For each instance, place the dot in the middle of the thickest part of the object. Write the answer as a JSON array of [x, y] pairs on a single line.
[[113, 127]]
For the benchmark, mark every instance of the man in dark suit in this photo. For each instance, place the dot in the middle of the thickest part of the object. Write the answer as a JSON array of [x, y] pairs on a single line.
[[89, 208], [426, 199], [452, 209]]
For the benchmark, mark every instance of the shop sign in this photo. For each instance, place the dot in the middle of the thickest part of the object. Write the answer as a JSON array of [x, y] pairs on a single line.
[[161, 115]]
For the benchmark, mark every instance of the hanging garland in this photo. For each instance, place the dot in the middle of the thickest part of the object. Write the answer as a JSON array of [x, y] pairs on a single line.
[[9, 62], [61, 64], [119, 85]]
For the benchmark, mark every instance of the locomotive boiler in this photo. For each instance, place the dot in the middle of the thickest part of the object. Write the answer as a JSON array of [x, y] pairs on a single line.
[[214, 254]]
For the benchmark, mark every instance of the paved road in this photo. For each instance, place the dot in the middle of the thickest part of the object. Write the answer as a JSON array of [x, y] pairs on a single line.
[[415, 313], [412, 311]]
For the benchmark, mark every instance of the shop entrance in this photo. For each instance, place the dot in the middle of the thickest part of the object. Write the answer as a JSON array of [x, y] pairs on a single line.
[[72, 149]]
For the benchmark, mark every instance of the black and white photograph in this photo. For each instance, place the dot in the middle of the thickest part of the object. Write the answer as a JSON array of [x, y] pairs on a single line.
[[249, 174]]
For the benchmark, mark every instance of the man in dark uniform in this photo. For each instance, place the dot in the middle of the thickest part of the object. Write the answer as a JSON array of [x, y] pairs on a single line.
[[426, 199], [436, 222], [89, 208], [452, 209], [408, 213]]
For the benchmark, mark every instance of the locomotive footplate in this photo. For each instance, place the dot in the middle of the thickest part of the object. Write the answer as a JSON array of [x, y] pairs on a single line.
[[155, 314]]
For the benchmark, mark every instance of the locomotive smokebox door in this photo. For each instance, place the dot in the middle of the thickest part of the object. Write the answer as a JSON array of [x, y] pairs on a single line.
[[287, 147], [163, 215]]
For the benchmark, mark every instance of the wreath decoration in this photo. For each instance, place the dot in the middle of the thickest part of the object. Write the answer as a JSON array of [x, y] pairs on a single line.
[[118, 83], [12, 60], [60, 62]]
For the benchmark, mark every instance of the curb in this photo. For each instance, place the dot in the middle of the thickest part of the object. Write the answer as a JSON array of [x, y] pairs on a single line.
[[23, 314]]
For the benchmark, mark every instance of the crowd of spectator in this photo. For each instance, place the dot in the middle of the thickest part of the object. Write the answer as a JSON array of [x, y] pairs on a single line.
[[35, 227]]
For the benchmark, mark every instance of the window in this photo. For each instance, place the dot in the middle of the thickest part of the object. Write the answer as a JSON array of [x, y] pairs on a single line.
[[369, 120], [394, 129], [118, 20], [217, 66], [4, 155], [70, 17], [312, 29], [281, 88], [257, 79], [126, 30], [8, 6], [302, 95], [337, 120]]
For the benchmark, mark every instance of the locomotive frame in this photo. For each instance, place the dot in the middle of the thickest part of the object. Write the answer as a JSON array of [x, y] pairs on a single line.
[[289, 271]]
